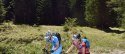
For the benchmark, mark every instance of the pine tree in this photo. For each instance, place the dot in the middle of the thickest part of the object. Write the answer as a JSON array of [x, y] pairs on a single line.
[[121, 11], [42, 10], [2, 11], [91, 12], [62, 11], [25, 11], [97, 14], [119, 8], [78, 10], [9, 7], [52, 12]]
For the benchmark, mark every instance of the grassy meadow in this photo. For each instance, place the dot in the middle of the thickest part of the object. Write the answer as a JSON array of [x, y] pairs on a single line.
[[25, 39]]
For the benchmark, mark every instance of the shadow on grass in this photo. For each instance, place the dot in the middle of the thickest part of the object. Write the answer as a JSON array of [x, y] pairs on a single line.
[[108, 30]]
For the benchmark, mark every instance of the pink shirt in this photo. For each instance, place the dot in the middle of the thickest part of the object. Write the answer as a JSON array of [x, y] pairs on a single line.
[[79, 46]]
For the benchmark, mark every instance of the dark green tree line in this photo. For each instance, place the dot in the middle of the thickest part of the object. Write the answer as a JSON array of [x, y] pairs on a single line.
[[52, 12], [96, 13], [25, 11], [78, 11]]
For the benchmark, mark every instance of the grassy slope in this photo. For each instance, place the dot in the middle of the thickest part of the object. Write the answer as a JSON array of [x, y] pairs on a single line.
[[24, 39]]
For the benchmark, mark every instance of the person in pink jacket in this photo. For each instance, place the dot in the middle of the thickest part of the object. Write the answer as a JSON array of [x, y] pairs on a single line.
[[78, 43]]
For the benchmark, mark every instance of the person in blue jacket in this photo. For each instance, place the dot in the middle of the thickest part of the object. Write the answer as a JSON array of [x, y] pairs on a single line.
[[55, 42]]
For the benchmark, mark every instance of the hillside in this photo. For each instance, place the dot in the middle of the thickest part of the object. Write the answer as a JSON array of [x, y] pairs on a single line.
[[24, 39]]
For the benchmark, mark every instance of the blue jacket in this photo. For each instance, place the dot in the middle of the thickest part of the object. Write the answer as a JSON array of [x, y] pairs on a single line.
[[53, 42]]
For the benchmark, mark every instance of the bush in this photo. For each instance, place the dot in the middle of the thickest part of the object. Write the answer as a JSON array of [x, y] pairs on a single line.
[[70, 23], [7, 26]]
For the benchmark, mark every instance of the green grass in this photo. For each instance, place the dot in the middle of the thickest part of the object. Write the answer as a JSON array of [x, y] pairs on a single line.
[[24, 39]]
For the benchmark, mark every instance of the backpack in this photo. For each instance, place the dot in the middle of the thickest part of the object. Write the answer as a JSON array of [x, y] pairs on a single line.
[[86, 41]]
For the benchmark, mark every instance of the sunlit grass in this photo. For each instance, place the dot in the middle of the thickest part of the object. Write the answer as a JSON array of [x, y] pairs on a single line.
[[24, 39]]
